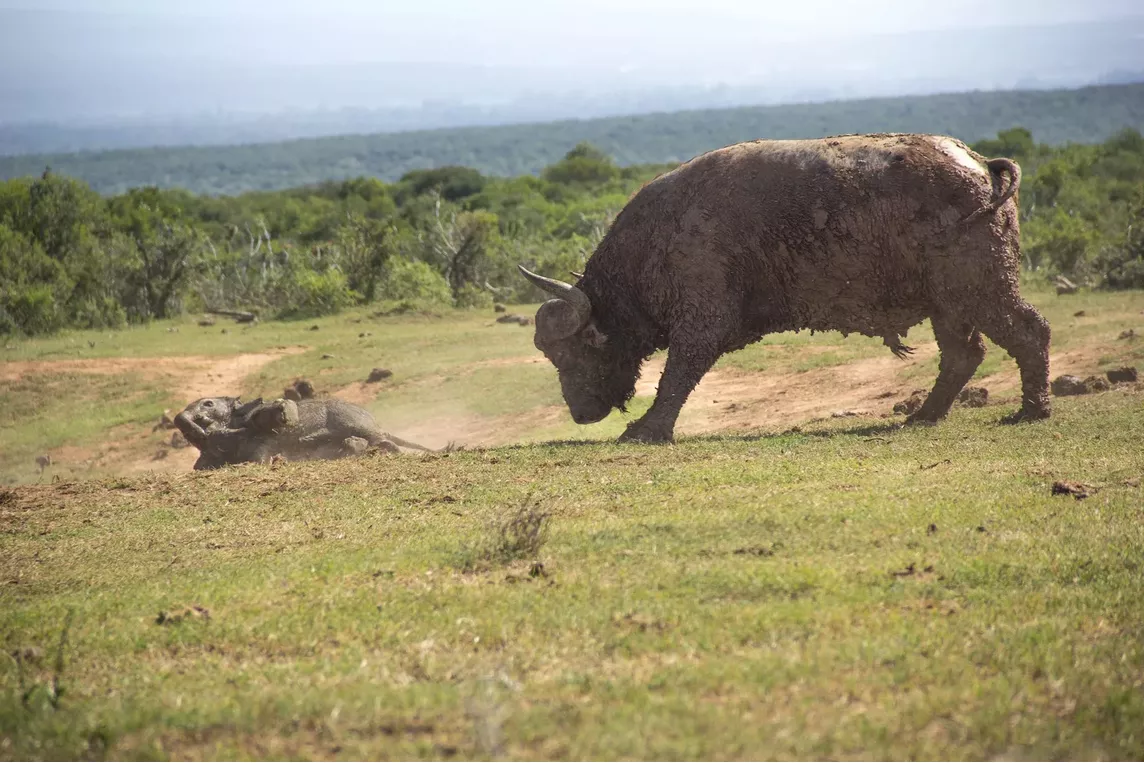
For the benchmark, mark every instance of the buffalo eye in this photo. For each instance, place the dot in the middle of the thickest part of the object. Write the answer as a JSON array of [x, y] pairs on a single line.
[[209, 403]]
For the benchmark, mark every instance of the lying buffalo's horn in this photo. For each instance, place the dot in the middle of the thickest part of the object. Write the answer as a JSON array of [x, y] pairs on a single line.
[[560, 320], [191, 430], [575, 274]]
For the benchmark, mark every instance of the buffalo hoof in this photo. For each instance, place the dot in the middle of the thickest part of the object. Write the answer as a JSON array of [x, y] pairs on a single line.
[[920, 421], [1027, 414], [637, 433]]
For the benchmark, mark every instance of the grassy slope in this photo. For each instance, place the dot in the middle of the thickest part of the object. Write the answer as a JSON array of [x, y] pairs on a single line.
[[842, 591], [834, 593], [1084, 115]]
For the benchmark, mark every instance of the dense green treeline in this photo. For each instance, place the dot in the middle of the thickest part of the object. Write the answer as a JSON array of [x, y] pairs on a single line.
[[1085, 115], [70, 257]]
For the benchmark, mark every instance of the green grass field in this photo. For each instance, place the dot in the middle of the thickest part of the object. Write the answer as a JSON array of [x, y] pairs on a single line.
[[841, 588]]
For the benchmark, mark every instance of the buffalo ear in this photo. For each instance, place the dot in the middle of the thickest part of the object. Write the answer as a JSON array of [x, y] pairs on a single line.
[[593, 336]]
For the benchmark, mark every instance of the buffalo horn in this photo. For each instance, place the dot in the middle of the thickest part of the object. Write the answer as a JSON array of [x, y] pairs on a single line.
[[559, 322]]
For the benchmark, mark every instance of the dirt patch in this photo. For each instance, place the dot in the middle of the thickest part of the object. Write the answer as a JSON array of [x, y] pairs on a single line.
[[481, 430], [725, 400], [358, 393], [730, 400], [1077, 490], [213, 376], [1078, 361], [189, 376], [472, 430]]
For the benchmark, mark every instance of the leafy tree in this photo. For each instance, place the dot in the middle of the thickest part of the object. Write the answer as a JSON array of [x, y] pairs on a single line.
[[165, 253], [1062, 243], [1122, 261], [366, 247], [33, 286], [585, 164], [460, 244], [452, 183], [1015, 143]]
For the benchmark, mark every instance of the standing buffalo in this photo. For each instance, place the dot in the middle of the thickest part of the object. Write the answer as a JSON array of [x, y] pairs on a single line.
[[859, 233]]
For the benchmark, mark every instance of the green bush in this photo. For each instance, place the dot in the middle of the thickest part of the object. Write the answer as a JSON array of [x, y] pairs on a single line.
[[1121, 263], [315, 294], [585, 164], [30, 310], [1062, 243], [446, 236], [414, 281], [97, 312], [471, 295]]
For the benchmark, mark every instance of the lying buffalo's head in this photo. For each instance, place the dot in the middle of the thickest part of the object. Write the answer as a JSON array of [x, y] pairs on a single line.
[[596, 375], [209, 413]]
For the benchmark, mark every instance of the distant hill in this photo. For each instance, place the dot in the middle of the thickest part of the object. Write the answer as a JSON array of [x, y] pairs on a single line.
[[1082, 115]]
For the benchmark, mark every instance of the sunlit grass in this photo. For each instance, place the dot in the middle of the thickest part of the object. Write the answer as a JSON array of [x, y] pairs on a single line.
[[840, 592]]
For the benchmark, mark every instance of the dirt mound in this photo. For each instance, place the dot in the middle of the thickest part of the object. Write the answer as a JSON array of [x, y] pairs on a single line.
[[973, 397], [1122, 375], [301, 389], [1067, 385]]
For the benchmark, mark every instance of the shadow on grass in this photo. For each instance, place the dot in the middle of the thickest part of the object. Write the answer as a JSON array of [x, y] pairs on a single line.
[[870, 430]]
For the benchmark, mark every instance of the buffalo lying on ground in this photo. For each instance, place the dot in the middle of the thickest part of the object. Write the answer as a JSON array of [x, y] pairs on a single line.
[[860, 233], [228, 431]]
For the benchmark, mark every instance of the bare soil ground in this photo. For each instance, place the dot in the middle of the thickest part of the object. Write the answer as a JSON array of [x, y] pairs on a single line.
[[189, 376]]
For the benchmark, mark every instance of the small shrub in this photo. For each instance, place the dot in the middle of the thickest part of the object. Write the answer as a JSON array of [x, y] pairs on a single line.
[[521, 535], [471, 295], [414, 281], [315, 294]]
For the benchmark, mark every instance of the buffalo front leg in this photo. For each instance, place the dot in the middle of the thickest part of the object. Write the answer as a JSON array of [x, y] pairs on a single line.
[[962, 350], [685, 367]]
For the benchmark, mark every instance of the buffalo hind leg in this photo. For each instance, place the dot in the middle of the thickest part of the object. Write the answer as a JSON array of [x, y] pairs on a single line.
[[962, 350], [682, 372], [1021, 331]]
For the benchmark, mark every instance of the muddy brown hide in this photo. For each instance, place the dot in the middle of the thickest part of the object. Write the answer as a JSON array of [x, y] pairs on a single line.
[[866, 234], [203, 414], [228, 431]]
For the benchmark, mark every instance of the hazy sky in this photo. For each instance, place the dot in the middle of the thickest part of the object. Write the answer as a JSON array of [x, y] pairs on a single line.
[[65, 58], [502, 32]]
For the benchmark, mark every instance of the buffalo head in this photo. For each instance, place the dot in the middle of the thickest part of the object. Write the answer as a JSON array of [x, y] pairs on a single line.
[[595, 374], [209, 413]]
